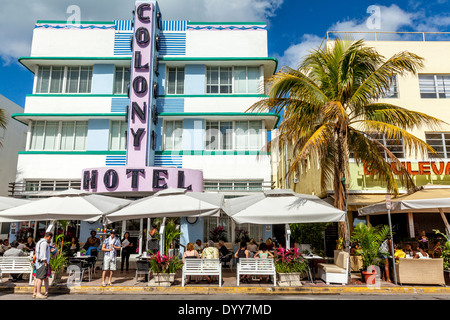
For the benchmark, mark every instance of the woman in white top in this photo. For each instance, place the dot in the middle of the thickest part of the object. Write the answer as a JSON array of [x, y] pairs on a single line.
[[420, 254]]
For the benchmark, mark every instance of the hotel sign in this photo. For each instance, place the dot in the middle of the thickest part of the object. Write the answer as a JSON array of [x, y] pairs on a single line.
[[417, 168], [138, 175]]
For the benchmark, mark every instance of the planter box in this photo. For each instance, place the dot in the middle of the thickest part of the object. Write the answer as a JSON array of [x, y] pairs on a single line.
[[447, 277], [162, 280], [54, 278], [289, 279]]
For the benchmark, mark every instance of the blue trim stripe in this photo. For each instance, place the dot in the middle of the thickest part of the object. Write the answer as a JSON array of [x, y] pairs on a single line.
[[169, 105], [124, 25], [119, 104], [173, 44], [122, 44], [174, 25], [220, 28], [169, 161], [116, 160]]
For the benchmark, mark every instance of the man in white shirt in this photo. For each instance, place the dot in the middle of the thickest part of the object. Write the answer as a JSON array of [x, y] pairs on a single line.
[[42, 265], [110, 247]]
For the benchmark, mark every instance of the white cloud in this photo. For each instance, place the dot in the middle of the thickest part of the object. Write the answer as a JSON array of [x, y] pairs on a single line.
[[17, 18], [294, 54], [387, 19]]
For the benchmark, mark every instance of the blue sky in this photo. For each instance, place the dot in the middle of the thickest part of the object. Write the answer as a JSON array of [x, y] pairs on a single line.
[[294, 26]]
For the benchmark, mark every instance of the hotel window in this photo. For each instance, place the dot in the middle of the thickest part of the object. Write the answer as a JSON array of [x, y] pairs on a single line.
[[73, 135], [393, 145], [50, 79], [246, 80], [434, 86], [56, 79], [219, 80], [79, 79], [118, 135], [121, 80], [440, 142], [173, 135], [175, 80], [58, 135], [237, 79], [219, 135], [393, 89], [248, 135]]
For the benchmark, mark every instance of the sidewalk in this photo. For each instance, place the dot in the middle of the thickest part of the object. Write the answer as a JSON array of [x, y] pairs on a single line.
[[123, 282]]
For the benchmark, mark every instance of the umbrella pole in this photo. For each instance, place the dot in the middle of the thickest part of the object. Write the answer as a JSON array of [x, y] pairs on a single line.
[[392, 246], [162, 237]]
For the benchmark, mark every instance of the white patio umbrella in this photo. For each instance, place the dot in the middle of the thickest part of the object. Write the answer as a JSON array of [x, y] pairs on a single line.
[[430, 198], [66, 205], [170, 203], [281, 207], [8, 202]]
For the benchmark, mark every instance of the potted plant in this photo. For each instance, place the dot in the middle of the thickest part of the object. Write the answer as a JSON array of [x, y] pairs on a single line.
[[445, 254], [217, 234], [164, 268], [57, 265], [290, 267], [370, 239]]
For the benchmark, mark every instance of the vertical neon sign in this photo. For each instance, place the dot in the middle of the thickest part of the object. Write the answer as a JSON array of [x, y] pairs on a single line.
[[141, 89]]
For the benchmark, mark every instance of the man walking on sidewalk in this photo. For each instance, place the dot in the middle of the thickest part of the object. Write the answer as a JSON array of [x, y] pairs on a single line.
[[110, 247], [42, 265]]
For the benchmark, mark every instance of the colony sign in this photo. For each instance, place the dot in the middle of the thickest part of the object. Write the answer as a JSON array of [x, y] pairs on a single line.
[[138, 175]]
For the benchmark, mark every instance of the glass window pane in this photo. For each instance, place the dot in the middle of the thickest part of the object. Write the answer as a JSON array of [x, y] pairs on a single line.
[[57, 80], [67, 133], [169, 129], [178, 135], [212, 135], [118, 80], [85, 77], [254, 135], [253, 79], [226, 135], [72, 79], [43, 80], [37, 135], [241, 135], [51, 134], [171, 81], [80, 135], [240, 80], [180, 80], [114, 139]]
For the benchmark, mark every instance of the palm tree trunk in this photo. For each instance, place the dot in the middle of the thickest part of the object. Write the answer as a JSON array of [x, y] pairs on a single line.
[[340, 169]]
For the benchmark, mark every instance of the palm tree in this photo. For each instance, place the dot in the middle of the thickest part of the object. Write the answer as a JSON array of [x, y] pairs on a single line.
[[330, 108], [3, 121]]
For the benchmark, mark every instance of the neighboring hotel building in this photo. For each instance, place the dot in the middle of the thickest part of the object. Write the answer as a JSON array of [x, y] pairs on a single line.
[[427, 92], [12, 140], [168, 112]]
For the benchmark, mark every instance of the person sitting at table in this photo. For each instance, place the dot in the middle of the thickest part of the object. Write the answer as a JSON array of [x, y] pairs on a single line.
[[92, 244], [399, 253], [21, 245], [421, 254], [242, 252], [269, 244], [252, 247], [423, 240], [74, 246], [190, 253], [224, 253], [437, 249], [210, 252], [198, 245], [30, 245], [409, 251], [355, 249], [15, 252], [263, 253]]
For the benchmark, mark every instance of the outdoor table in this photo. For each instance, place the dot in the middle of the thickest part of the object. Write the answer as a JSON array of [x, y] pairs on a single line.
[[311, 261]]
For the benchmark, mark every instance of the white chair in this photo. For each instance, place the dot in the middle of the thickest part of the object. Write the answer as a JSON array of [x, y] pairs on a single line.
[[336, 272]]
